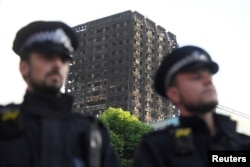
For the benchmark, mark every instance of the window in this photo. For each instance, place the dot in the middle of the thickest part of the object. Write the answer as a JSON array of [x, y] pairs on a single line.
[[137, 61], [98, 47], [99, 30]]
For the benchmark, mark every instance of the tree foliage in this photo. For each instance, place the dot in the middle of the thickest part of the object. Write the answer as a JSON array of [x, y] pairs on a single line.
[[125, 131]]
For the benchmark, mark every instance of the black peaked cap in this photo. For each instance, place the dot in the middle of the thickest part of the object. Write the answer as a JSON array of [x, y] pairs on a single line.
[[54, 36], [183, 59]]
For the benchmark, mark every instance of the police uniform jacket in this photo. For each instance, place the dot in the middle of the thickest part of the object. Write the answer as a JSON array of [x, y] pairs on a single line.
[[43, 132], [163, 148]]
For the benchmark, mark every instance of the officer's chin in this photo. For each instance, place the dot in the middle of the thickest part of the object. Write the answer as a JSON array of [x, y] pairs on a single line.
[[203, 108], [51, 88], [54, 83]]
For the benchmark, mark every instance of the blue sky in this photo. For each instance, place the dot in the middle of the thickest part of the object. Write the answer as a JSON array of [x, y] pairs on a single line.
[[219, 26]]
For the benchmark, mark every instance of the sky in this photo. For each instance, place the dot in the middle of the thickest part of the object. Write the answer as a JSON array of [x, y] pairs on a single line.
[[222, 27]]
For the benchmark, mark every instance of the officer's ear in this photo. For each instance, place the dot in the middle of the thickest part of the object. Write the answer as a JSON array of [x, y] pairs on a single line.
[[173, 94], [24, 68], [172, 91]]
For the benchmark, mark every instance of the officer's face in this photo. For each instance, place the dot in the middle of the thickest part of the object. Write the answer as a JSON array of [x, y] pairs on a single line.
[[44, 73], [194, 91]]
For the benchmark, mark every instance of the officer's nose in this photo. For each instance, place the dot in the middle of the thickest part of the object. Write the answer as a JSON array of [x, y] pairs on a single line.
[[207, 78], [57, 61]]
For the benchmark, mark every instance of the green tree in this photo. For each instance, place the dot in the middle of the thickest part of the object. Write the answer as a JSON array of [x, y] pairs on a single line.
[[125, 131]]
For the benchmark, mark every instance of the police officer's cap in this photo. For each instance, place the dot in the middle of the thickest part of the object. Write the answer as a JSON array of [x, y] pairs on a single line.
[[183, 59], [46, 37]]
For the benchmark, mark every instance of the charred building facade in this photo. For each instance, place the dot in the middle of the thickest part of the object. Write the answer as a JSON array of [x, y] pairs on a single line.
[[115, 66]]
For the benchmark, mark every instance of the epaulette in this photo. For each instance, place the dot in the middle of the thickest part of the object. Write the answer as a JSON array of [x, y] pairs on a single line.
[[9, 112], [10, 121], [180, 138], [183, 140]]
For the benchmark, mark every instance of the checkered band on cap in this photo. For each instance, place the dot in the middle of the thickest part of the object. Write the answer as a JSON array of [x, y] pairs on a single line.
[[194, 57], [48, 36], [58, 37]]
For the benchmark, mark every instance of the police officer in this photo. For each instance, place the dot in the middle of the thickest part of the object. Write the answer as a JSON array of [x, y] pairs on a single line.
[[42, 131], [185, 78]]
